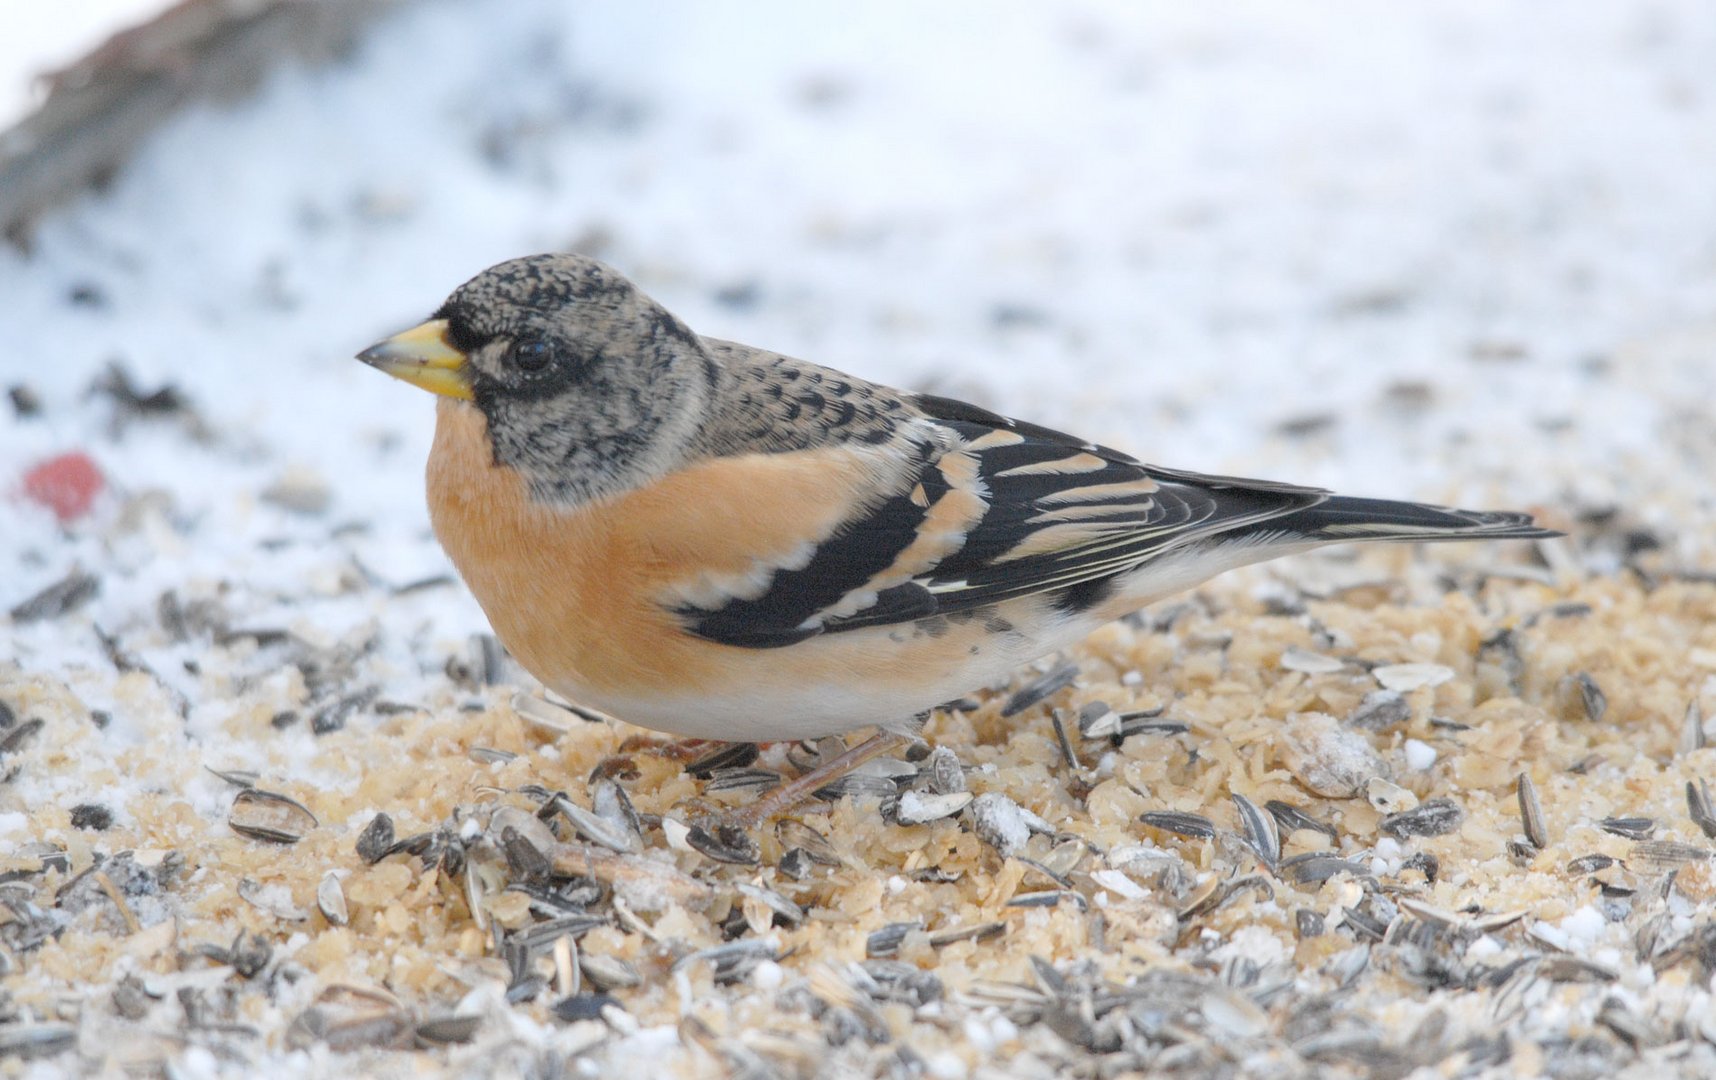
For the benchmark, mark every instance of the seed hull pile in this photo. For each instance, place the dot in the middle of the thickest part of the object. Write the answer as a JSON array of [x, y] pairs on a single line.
[[1347, 818]]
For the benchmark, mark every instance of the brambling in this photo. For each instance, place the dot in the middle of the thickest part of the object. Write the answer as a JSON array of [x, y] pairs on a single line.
[[717, 541]]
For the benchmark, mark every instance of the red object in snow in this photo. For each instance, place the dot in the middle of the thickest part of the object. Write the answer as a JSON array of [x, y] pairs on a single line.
[[66, 484]]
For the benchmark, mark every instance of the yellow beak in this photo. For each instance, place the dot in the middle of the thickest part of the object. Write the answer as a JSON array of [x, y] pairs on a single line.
[[422, 356]]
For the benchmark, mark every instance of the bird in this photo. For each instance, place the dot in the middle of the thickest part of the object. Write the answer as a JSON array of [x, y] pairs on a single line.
[[716, 541]]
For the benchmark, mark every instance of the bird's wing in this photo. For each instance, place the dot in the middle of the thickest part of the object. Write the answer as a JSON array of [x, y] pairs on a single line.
[[986, 510]]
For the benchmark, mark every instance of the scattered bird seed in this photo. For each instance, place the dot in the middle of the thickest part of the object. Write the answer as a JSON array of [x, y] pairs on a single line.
[[1405, 677], [31, 1042], [596, 828], [1590, 864], [488, 755], [917, 807], [1068, 754], [1097, 721], [1590, 697], [887, 940], [1032, 693], [447, 1030], [1388, 797], [1292, 819], [726, 845], [999, 822], [1380, 710], [1310, 663], [1531, 812], [1149, 722], [1633, 828], [1433, 817], [1663, 855], [1195, 826], [736, 755], [976, 932], [62, 597], [1692, 735], [1261, 831], [795, 834], [946, 775], [270, 816], [788, 912], [1698, 805], [1315, 867], [376, 840], [755, 780], [585, 1007], [331, 899], [1042, 898]]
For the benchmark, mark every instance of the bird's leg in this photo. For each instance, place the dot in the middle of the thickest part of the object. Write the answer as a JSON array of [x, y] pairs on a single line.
[[671, 749], [794, 792]]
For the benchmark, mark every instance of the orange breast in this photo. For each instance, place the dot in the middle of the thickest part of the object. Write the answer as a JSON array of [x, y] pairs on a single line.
[[581, 597]]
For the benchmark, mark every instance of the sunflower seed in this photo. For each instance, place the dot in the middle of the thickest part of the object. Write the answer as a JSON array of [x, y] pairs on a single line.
[[65, 595], [1292, 819], [777, 904], [1052, 683], [1313, 868], [28, 1042], [725, 845], [596, 828], [1692, 735], [1380, 710], [1662, 855], [1433, 817], [1698, 805], [976, 932], [1042, 898], [1590, 697], [946, 774], [1531, 812], [1097, 721], [607, 972], [1149, 722], [1590, 864], [1260, 830], [1633, 828], [270, 816], [239, 778], [736, 755], [446, 1030], [376, 840], [887, 940], [1194, 826], [756, 780], [793, 833], [917, 807]]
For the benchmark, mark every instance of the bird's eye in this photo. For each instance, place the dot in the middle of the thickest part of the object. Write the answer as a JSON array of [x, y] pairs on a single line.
[[532, 354]]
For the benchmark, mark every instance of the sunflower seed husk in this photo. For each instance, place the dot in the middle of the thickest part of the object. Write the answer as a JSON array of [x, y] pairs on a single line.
[[1388, 797], [1433, 817], [1195, 826], [1590, 864], [1292, 819], [976, 932], [1260, 830], [331, 899], [1698, 806], [1531, 812], [793, 833], [1662, 855], [1633, 828], [1588, 695], [757, 780], [1097, 721], [918, 808], [886, 941], [999, 822], [1310, 663], [1692, 735], [608, 972], [1052, 683], [376, 840], [1150, 722], [1315, 867], [946, 775], [779, 905], [736, 755], [726, 845], [270, 816], [1405, 677], [1380, 710], [28, 1042], [596, 828], [447, 1030]]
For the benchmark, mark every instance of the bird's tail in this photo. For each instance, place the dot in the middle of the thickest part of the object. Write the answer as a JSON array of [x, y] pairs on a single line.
[[1343, 518]]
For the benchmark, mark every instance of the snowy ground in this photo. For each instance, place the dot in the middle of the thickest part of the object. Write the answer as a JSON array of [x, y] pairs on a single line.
[[1459, 251]]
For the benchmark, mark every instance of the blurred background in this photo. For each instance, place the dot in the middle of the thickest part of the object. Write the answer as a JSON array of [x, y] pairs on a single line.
[[1459, 251]]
